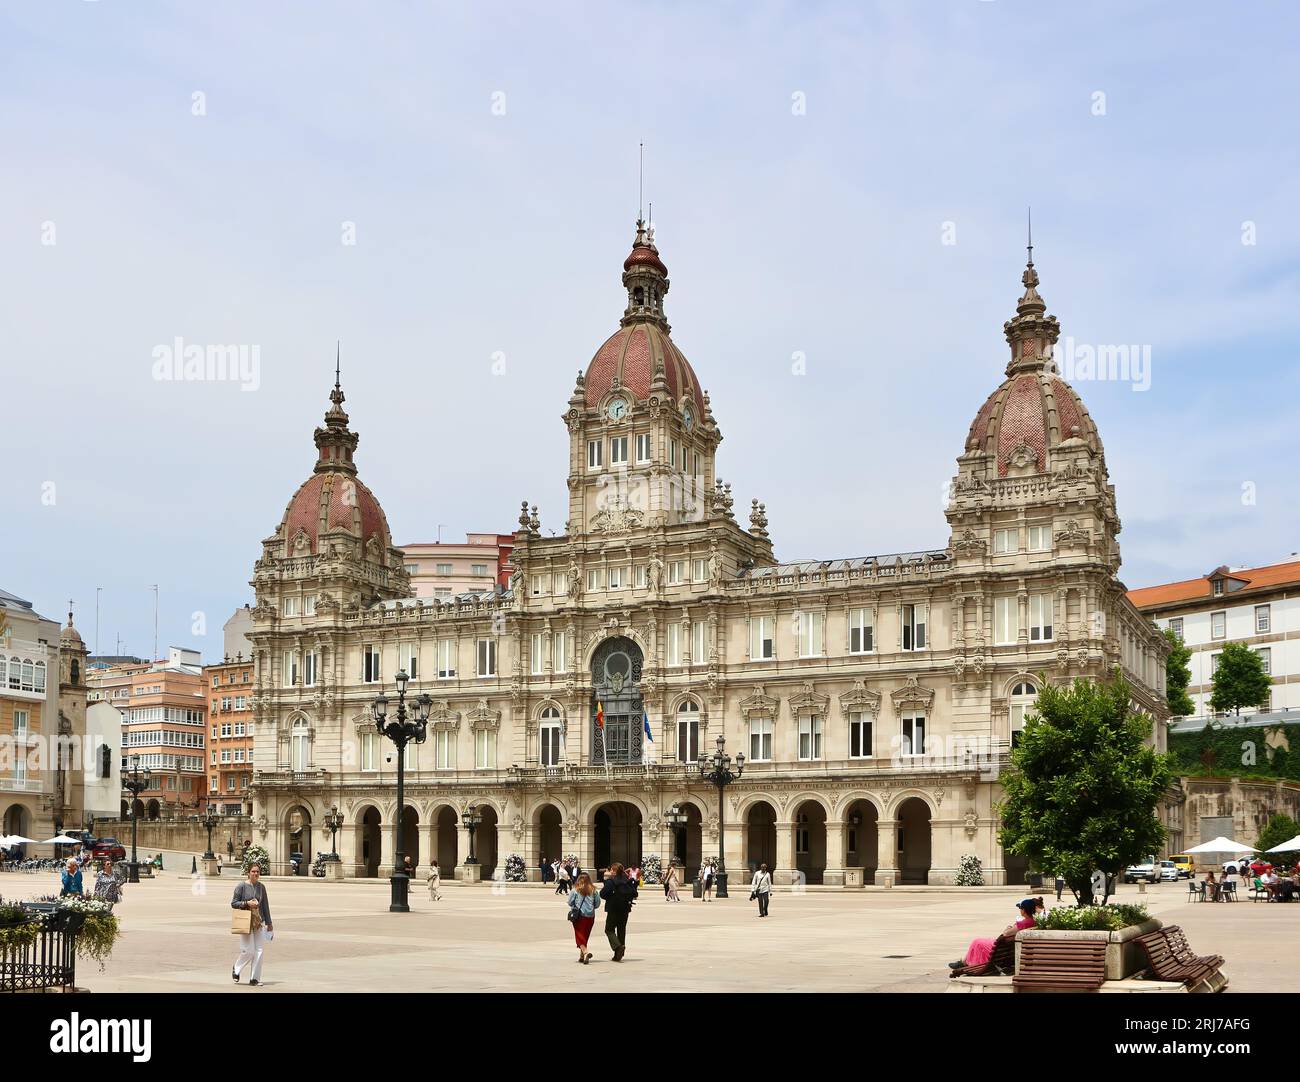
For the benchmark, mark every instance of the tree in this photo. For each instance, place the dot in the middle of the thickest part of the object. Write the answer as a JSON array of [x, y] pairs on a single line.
[[1084, 785], [1240, 679], [1281, 828], [1178, 674]]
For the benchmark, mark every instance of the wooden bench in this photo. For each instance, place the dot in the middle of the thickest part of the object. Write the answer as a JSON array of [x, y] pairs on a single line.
[[1001, 962], [1171, 959], [1061, 965]]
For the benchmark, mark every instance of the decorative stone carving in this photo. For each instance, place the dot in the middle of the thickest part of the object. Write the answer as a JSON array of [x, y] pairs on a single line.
[[912, 696], [969, 544], [972, 824], [809, 701], [617, 518], [1072, 535], [1022, 457], [517, 827], [758, 704], [483, 716], [440, 717], [860, 698]]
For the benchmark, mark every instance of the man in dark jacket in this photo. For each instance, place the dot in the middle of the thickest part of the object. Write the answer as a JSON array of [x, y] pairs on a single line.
[[619, 895]]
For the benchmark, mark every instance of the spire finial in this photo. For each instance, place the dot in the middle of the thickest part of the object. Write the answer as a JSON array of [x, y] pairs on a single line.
[[70, 603], [1031, 235], [338, 353], [640, 185]]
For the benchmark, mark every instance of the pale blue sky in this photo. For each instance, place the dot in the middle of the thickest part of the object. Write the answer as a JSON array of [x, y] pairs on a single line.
[[479, 233]]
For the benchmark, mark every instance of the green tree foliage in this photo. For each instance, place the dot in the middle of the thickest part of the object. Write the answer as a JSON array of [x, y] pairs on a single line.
[[1221, 750], [1083, 786], [1281, 828], [1178, 674], [1240, 679]]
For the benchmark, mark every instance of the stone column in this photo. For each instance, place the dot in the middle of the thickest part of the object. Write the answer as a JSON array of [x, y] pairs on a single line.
[[737, 870], [834, 873], [886, 851], [786, 864], [385, 850], [346, 843]]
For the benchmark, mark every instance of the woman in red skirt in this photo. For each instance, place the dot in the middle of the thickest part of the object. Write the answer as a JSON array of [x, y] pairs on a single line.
[[583, 903]]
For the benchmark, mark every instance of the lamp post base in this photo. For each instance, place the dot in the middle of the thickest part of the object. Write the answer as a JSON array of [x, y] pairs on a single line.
[[132, 872], [721, 890], [401, 883]]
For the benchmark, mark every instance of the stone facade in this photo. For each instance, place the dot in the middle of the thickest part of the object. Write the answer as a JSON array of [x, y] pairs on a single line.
[[875, 699]]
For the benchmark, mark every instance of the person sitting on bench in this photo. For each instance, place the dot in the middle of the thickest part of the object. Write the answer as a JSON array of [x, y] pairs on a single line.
[[980, 950]]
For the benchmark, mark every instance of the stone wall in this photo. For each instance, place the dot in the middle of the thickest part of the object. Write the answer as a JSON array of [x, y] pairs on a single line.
[[182, 835], [1250, 804]]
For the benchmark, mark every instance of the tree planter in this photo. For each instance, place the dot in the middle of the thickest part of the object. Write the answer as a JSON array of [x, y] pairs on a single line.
[[1123, 956]]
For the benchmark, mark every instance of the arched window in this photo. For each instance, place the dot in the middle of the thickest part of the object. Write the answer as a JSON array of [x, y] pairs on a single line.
[[15, 672], [688, 732], [1021, 701], [39, 684], [299, 745], [550, 733]]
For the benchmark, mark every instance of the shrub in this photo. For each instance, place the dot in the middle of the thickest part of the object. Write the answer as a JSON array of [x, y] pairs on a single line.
[[652, 868], [257, 854], [1093, 918], [970, 872], [515, 872]]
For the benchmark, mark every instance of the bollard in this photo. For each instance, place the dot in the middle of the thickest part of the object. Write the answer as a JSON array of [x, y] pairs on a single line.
[[194, 861], [1142, 888]]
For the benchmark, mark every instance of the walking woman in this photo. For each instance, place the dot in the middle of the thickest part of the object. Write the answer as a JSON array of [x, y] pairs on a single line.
[[562, 880], [583, 903], [706, 881], [433, 879], [251, 895], [107, 887], [761, 888], [670, 884], [71, 878]]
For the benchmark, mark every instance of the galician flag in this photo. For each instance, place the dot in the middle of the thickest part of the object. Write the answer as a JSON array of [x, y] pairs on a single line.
[[600, 716]]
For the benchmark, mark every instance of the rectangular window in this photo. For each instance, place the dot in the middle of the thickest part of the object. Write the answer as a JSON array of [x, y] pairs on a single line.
[[699, 650], [1176, 626], [239, 728], [593, 578], [536, 653], [1263, 620], [860, 632], [239, 755], [1040, 618], [559, 651], [810, 737], [688, 739], [674, 650], [370, 664], [485, 749], [291, 606], [478, 569], [618, 451], [549, 745], [308, 669], [409, 657], [811, 632], [1266, 659], [230, 784], [1218, 625], [595, 456], [914, 735], [369, 751], [443, 569], [1005, 541], [914, 627], [1005, 627], [308, 609], [1040, 538], [643, 447], [699, 570], [640, 575], [541, 585], [860, 745], [672, 454], [762, 645], [760, 740], [444, 750], [1218, 588], [212, 784], [20, 722], [487, 657], [676, 571], [290, 674], [446, 659], [1214, 663], [616, 578]]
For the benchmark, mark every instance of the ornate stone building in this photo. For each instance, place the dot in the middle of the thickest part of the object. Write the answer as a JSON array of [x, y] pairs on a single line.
[[875, 699]]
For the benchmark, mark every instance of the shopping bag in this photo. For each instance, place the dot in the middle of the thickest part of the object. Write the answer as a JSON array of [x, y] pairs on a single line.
[[241, 921]]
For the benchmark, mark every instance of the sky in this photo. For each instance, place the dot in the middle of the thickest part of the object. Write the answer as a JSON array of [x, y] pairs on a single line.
[[449, 190]]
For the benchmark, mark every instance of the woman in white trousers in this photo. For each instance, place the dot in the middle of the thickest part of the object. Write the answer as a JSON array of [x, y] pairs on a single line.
[[251, 895]]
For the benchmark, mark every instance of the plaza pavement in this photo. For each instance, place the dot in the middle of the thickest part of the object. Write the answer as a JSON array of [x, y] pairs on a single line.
[[333, 937]]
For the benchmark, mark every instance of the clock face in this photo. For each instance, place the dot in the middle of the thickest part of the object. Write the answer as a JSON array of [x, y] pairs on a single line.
[[688, 415], [616, 409]]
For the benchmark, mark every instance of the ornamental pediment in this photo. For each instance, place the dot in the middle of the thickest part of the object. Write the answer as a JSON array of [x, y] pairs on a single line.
[[860, 698], [912, 696], [483, 716], [808, 701], [440, 717], [759, 704]]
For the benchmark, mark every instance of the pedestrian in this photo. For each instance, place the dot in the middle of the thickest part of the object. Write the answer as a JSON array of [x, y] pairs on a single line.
[[71, 878], [1060, 885], [706, 881], [562, 880], [670, 884], [761, 888], [619, 895], [434, 878], [251, 896], [107, 886], [230, 849], [583, 903], [544, 866], [408, 868]]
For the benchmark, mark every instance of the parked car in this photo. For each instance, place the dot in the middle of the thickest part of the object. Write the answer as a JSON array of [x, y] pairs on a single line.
[[1168, 871], [108, 848], [1147, 871], [1183, 862]]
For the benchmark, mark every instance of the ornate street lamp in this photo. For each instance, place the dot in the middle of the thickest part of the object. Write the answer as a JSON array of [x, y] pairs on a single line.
[[676, 820], [333, 823], [471, 819], [135, 783], [717, 770], [404, 727], [210, 819]]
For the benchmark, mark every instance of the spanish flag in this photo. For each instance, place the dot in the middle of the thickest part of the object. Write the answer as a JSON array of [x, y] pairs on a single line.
[[600, 717]]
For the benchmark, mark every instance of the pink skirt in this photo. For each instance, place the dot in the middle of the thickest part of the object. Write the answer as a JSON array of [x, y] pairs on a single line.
[[980, 951]]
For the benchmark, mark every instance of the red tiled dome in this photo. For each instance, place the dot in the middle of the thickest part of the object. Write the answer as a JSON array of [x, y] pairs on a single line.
[[1036, 408], [630, 354], [334, 500], [647, 257]]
